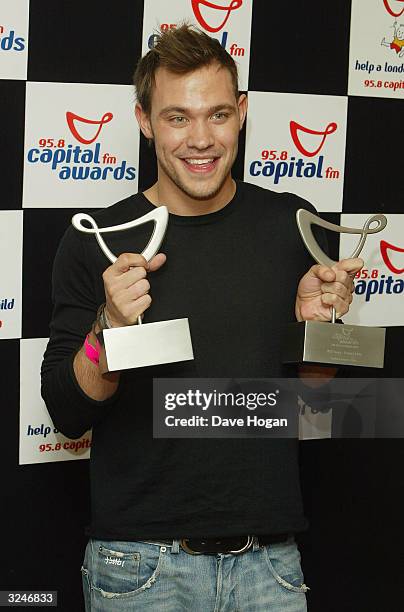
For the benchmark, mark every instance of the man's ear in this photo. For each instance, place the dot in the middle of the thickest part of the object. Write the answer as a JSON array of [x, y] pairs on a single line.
[[143, 120], [242, 108]]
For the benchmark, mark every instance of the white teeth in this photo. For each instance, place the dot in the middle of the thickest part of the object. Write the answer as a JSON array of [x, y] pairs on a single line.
[[198, 162]]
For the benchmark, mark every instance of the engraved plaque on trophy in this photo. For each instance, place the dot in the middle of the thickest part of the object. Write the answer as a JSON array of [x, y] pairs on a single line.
[[144, 344], [329, 342]]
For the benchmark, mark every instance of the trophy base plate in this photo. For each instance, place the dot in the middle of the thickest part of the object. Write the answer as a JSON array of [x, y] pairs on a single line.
[[148, 344], [334, 344]]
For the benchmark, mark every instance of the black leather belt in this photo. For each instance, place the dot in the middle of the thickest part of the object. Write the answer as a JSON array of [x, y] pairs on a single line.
[[234, 545]]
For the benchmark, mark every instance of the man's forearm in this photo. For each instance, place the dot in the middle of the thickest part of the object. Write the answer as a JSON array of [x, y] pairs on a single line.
[[94, 384]]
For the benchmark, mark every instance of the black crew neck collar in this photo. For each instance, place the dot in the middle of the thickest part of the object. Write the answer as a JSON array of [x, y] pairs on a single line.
[[212, 217]]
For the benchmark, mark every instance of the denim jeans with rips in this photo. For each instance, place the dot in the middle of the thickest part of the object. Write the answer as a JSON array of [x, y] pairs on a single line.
[[120, 576]]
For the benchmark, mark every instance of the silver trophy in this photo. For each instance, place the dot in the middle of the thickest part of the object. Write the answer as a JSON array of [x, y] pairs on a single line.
[[144, 344], [330, 342]]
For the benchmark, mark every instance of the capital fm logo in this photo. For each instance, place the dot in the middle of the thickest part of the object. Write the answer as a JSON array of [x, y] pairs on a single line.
[[385, 247], [394, 7], [295, 128], [298, 162], [72, 161], [375, 281], [225, 10], [10, 41], [72, 118], [212, 17], [343, 334]]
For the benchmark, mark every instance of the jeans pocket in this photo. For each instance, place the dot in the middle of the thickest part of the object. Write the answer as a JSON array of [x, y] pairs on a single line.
[[283, 561], [121, 569]]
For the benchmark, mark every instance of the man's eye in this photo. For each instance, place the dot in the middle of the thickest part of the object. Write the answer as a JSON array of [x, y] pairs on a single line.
[[219, 116], [178, 119]]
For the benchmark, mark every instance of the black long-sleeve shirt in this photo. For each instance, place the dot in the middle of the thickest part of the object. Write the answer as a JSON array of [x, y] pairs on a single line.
[[234, 274]]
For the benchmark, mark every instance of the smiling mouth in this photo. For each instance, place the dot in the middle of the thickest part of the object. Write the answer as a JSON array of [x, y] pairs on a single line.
[[384, 248], [199, 164]]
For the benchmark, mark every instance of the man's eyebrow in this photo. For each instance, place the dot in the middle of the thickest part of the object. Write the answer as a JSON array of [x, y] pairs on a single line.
[[184, 111]]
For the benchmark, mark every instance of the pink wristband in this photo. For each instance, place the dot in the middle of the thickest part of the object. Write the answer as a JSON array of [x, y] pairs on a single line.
[[92, 353]]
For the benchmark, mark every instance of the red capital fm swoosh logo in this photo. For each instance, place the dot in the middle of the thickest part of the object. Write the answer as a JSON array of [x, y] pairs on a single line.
[[390, 10], [384, 247], [72, 118], [296, 127], [234, 4]]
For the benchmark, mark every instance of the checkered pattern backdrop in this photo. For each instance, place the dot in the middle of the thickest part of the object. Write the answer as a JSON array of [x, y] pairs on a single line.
[[66, 67]]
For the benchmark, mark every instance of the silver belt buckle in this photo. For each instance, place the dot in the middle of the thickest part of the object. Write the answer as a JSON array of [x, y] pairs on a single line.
[[190, 551], [184, 546], [250, 540]]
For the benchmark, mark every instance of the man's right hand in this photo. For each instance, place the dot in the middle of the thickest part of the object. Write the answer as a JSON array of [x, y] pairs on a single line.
[[127, 288]]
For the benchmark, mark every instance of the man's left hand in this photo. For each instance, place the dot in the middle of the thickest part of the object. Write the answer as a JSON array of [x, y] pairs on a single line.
[[323, 287]]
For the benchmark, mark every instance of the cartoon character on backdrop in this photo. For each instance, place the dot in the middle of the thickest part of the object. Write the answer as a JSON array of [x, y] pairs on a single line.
[[397, 44]]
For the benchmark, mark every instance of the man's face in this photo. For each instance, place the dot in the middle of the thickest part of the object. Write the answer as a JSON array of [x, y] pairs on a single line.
[[195, 121]]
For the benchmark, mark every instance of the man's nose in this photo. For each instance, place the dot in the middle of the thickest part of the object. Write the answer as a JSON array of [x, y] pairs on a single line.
[[200, 136]]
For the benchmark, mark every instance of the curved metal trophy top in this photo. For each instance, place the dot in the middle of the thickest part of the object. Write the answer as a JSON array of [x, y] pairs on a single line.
[[306, 219], [159, 216]]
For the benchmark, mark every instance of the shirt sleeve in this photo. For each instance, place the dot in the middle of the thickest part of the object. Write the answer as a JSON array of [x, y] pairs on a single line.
[[74, 310]]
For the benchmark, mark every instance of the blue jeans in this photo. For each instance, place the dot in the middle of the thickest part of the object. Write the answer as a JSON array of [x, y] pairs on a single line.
[[158, 577]]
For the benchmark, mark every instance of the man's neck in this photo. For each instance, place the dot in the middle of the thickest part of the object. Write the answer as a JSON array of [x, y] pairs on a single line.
[[179, 203]]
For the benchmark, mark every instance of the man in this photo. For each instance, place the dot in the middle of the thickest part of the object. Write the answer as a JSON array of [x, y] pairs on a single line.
[[232, 263]]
